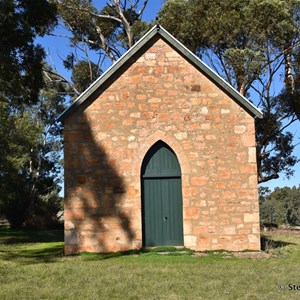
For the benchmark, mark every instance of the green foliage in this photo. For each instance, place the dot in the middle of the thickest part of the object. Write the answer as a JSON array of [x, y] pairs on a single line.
[[20, 59], [241, 33], [250, 44], [30, 159], [98, 32], [274, 146], [84, 74], [281, 207], [17, 138]]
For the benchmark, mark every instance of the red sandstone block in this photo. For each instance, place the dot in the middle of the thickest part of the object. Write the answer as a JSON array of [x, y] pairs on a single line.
[[124, 166], [200, 230], [159, 70], [109, 125], [221, 184], [190, 191], [141, 97], [237, 220], [141, 70], [115, 226], [192, 155], [239, 129], [244, 231], [229, 230], [172, 69], [132, 191], [134, 79], [225, 174], [88, 194], [223, 216], [176, 116], [143, 107], [163, 117], [127, 122], [248, 141], [192, 212], [249, 168], [213, 210], [234, 184], [225, 240], [74, 214], [151, 79], [196, 101], [74, 203], [229, 208], [229, 195], [199, 181], [255, 246], [186, 145], [247, 194], [193, 127], [204, 241], [173, 93], [121, 105]]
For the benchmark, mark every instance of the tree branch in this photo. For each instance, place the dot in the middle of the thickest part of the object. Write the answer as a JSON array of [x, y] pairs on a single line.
[[63, 79], [143, 7]]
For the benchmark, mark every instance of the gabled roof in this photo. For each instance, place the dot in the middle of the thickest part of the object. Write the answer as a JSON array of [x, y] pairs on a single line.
[[155, 33]]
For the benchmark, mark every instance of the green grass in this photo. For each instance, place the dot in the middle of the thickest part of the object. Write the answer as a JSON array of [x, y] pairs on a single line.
[[32, 267]]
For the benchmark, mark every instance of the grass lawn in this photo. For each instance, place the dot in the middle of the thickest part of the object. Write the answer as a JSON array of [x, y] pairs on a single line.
[[32, 267]]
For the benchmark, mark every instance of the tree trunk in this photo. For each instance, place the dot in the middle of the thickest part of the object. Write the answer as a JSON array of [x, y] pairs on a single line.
[[289, 81]]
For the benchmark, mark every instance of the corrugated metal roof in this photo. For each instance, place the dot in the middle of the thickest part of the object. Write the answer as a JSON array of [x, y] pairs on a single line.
[[155, 33]]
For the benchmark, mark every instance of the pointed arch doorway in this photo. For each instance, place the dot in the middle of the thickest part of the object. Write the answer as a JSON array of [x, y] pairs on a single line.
[[161, 197]]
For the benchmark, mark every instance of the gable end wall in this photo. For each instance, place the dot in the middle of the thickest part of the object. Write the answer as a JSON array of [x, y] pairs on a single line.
[[160, 97]]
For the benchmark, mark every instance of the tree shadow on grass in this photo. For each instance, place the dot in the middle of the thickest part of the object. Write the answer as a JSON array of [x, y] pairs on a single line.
[[24, 254], [24, 247], [11, 236], [164, 250], [87, 256], [268, 244]]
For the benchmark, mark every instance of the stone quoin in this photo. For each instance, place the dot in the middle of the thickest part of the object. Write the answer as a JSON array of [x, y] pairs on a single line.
[[160, 151]]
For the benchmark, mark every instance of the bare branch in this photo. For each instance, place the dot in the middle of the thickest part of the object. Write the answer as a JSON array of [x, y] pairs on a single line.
[[60, 35], [225, 69], [125, 23], [64, 79], [91, 13], [262, 178], [143, 7]]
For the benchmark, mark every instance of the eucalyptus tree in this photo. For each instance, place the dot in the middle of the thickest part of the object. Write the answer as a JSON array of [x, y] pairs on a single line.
[[30, 167], [21, 80], [20, 57], [97, 33], [282, 206], [253, 45]]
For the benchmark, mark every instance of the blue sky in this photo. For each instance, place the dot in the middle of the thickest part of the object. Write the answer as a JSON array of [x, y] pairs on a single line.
[[57, 49]]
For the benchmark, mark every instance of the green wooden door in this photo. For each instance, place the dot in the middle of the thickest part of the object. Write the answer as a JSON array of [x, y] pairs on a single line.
[[162, 198]]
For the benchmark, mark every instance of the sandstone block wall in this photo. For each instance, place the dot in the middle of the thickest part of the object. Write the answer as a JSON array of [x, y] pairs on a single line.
[[161, 96]]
